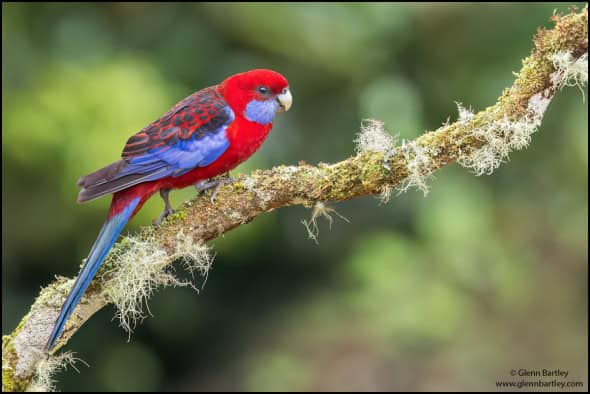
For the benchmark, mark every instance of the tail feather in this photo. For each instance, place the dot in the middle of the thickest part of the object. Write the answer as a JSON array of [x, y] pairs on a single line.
[[106, 238]]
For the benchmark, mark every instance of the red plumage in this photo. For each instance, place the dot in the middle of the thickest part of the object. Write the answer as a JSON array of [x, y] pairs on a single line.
[[245, 136], [205, 135]]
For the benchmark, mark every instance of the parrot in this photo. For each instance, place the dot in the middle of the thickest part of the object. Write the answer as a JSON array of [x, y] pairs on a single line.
[[202, 137]]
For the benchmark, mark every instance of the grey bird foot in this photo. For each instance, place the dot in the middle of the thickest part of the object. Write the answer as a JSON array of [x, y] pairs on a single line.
[[213, 184], [167, 207], [165, 213]]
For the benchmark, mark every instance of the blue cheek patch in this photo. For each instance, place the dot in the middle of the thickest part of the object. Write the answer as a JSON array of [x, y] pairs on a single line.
[[261, 112]]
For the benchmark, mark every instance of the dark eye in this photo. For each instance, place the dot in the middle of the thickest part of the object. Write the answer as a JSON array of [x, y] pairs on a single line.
[[263, 90]]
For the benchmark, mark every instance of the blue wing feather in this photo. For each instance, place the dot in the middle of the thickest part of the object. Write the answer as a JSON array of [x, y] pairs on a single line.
[[199, 150], [162, 151], [181, 157]]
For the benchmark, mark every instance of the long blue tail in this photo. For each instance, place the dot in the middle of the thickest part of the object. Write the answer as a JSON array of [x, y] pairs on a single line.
[[106, 238]]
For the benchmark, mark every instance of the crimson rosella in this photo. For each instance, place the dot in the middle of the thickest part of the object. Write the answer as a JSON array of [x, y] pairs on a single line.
[[205, 135]]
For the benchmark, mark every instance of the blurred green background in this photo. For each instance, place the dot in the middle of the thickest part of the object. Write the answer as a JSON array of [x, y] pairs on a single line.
[[448, 292]]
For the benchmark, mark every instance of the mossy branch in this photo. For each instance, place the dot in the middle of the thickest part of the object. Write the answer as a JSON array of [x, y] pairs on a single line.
[[480, 141]]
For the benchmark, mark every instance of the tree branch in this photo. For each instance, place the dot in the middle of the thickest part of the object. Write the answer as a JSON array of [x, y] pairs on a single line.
[[480, 141]]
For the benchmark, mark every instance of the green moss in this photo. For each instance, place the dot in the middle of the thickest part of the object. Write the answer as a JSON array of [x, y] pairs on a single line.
[[238, 186], [10, 382], [49, 295], [7, 346], [21, 324], [176, 217]]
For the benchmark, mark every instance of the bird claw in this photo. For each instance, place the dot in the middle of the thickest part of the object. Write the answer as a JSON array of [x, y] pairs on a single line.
[[214, 184], [165, 213]]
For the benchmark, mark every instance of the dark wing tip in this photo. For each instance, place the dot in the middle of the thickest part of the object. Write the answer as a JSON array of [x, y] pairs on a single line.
[[103, 175], [83, 196]]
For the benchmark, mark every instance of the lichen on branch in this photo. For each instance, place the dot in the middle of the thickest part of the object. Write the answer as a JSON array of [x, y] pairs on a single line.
[[480, 141]]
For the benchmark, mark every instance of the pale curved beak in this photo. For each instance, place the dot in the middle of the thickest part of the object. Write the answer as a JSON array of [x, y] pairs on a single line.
[[285, 100]]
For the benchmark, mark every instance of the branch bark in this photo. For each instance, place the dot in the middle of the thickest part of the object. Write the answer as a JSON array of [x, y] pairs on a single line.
[[479, 141]]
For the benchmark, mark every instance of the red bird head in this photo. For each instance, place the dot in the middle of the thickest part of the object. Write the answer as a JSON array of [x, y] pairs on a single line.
[[257, 94]]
